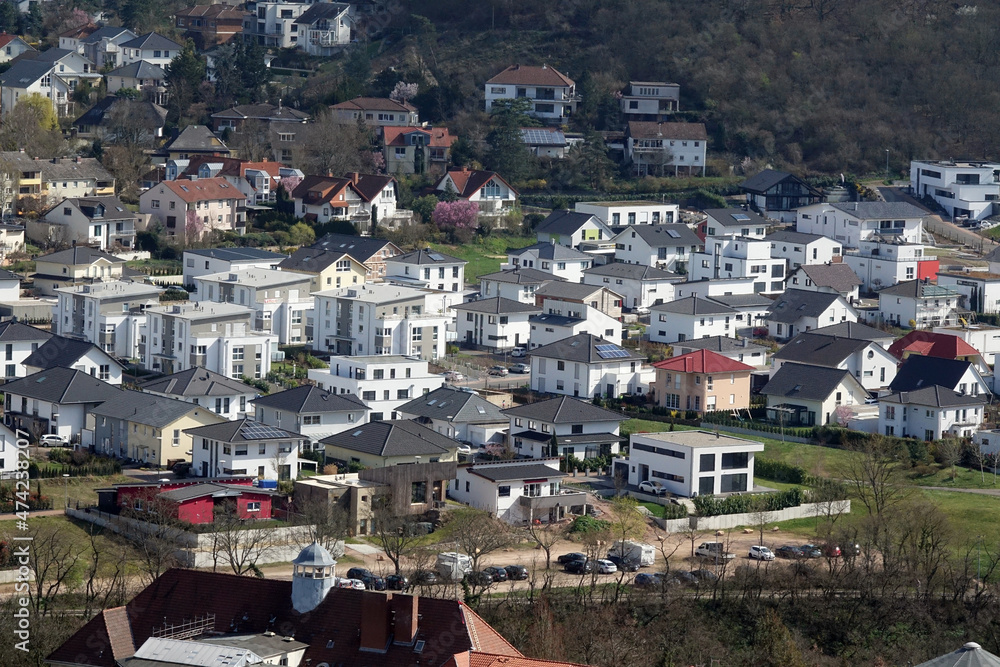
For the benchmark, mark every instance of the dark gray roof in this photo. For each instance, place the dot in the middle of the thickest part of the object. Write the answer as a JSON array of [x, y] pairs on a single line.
[[552, 251], [213, 489], [567, 222], [839, 277], [114, 209], [790, 236], [79, 255], [242, 430], [811, 348], [918, 371], [881, 210], [149, 409], [970, 655], [742, 300], [63, 386], [504, 473], [152, 40], [632, 272], [139, 70], [553, 320], [310, 398], [520, 277], [854, 330], [452, 405], [918, 289], [935, 395], [400, 437], [583, 348], [108, 31], [727, 217], [62, 351], [361, 248], [568, 290], [424, 256], [237, 254], [197, 382], [497, 306], [674, 234], [564, 410], [195, 138], [52, 55], [23, 73], [310, 260], [587, 439], [806, 382], [320, 11], [765, 180], [693, 305], [719, 344], [12, 331], [792, 304]]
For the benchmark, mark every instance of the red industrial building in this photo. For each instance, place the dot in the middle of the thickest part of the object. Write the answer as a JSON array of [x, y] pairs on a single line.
[[192, 501]]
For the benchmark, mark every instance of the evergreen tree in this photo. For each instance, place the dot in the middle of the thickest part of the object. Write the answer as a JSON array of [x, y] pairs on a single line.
[[507, 155], [185, 74]]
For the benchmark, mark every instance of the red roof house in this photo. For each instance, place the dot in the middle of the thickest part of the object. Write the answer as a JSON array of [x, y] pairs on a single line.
[[931, 344], [702, 381]]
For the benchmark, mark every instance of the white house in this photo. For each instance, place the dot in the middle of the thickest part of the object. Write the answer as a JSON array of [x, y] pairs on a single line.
[[204, 261], [980, 291], [106, 314], [931, 413], [10, 286], [710, 289], [498, 323], [692, 463], [665, 148], [100, 222], [9, 453], [559, 260], [11, 46], [152, 48], [514, 284], [738, 257], [428, 269], [55, 400], [18, 341], [828, 278], [640, 286], [667, 247], [854, 222], [807, 395], [650, 100], [883, 262], [571, 228], [324, 29], [457, 414], [918, 304], [224, 396], [313, 412], [870, 363], [983, 337], [618, 213], [146, 78], [80, 355], [547, 329], [487, 189], [918, 371], [384, 382], [579, 428], [690, 318], [962, 188], [734, 222], [552, 93], [517, 492], [245, 447], [798, 310], [26, 77], [800, 249], [588, 365]]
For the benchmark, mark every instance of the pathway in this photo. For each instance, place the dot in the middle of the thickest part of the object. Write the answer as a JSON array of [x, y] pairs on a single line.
[[982, 492]]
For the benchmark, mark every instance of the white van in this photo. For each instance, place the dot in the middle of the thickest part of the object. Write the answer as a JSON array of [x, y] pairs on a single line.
[[453, 566], [518, 352]]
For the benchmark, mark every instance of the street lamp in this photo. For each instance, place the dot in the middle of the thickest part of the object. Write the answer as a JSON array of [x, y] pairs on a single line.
[[887, 164], [66, 487]]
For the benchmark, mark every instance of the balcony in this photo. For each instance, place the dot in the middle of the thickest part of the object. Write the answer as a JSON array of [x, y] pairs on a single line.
[[565, 500]]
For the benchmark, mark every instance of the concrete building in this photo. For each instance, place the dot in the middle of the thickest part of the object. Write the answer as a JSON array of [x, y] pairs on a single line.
[[571, 228], [56, 400], [741, 350], [194, 209], [515, 284], [487, 189], [918, 304], [640, 286], [371, 252], [777, 194], [245, 447], [559, 260], [827, 278], [931, 413], [581, 429], [980, 292], [740, 257], [324, 29], [802, 249], [657, 149], [150, 48], [80, 355], [78, 265], [416, 150], [498, 323], [618, 213], [552, 94], [854, 222], [650, 101], [517, 492], [376, 112], [327, 269], [383, 382], [588, 365], [204, 261], [734, 222], [798, 310], [883, 262], [427, 269], [101, 222], [964, 189], [870, 363], [108, 315], [666, 247], [19, 341], [703, 381], [691, 318]]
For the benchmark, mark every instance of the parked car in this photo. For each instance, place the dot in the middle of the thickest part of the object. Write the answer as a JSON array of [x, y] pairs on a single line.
[[758, 552], [714, 550], [648, 579], [579, 566], [454, 376], [604, 566], [371, 582], [468, 390], [479, 578], [499, 371], [519, 352], [397, 582], [788, 551], [516, 572], [356, 584], [705, 576], [498, 574], [565, 558], [425, 578], [652, 487], [520, 368], [464, 448], [811, 551], [641, 310], [682, 578], [624, 564], [53, 440], [831, 551]]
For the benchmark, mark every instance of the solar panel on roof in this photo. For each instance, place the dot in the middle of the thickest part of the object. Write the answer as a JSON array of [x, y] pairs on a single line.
[[672, 233], [610, 352], [436, 257], [260, 432], [742, 217]]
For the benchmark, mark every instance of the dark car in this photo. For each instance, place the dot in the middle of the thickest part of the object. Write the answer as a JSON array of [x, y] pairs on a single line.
[[497, 574], [811, 551], [682, 578], [372, 582], [788, 551], [516, 572], [479, 578], [579, 566], [705, 576], [565, 558], [831, 551], [648, 580], [425, 578], [397, 582], [624, 564]]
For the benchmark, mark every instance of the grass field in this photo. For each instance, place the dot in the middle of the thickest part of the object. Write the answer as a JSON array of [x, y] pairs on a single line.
[[484, 255]]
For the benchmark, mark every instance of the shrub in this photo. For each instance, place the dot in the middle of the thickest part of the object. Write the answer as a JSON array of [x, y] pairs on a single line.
[[713, 506], [779, 471], [672, 511], [588, 524]]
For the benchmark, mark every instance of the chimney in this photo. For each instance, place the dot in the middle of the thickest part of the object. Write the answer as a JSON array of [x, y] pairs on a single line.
[[375, 621], [404, 610], [354, 176]]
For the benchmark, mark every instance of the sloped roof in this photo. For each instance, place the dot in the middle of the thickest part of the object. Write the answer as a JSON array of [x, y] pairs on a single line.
[[23, 73], [312, 399], [63, 386], [79, 255], [806, 382], [919, 289], [114, 209], [702, 361], [236, 254], [720, 344], [671, 234], [12, 331], [497, 306], [917, 372], [881, 210], [6, 39], [470, 181], [932, 344], [970, 655], [767, 179], [839, 277], [242, 430], [203, 189], [793, 304], [374, 104], [568, 290], [139, 70], [504, 473], [321, 11], [361, 248], [429, 257], [742, 300], [735, 217], [106, 31], [652, 130], [936, 396], [567, 222], [196, 138], [819, 349], [197, 382], [521, 276], [564, 410], [790, 236], [552, 251], [215, 11], [438, 137], [61, 351], [400, 437], [531, 75], [632, 272], [854, 330], [451, 405], [310, 260], [543, 136], [150, 409], [260, 111], [693, 305], [369, 186], [584, 348], [319, 189], [152, 40]]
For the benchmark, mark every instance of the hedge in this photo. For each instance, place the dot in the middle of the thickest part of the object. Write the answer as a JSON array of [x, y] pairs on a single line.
[[772, 502], [778, 471], [33, 503], [672, 511], [98, 468]]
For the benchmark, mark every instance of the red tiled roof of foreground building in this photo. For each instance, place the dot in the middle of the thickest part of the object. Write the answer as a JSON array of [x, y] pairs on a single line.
[[702, 361], [931, 344]]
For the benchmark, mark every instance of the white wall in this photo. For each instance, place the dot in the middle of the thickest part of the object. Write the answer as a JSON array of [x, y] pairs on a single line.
[[669, 327], [916, 420]]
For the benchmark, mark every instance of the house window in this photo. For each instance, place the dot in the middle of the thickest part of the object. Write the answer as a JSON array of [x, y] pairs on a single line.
[[503, 491], [253, 506], [533, 490], [418, 493]]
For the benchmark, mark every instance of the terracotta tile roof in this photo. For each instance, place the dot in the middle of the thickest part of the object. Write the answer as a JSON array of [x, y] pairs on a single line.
[[647, 130], [930, 344], [702, 361], [320, 189], [80, 31], [119, 632], [484, 637], [203, 189], [6, 39], [439, 137], [485, 659], [530, 75], [374, 104], [469, 181]]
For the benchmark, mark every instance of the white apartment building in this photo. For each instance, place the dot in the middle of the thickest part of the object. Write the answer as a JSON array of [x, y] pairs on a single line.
[[204, 261], [666, 247], [218, 336], [280, 299], [552, 94], [515, 284], [152, 48], [618, 213], [984, 338], [245, 447], [109, 315], [930, 413], [17, 342], [883, 263], [690, 463], [963, 188], [651, 101], [383, 382], [734, 222], [586, 365], [315, 413], [498, 323], [691, 318], [980, 290], [920, 304], [739, 257], [273, 23], [800, 249], [640, 286], [798, 310], [550, 257], [427, 269], [380, 318], [664, 148], [854, 222]]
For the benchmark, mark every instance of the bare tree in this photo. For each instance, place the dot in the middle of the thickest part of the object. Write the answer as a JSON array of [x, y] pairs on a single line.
[[760, 516], [240, 542], [128, 135], [546, 535], [107, 576], [873, 474], [335, 148], [55, 558], [325, 522], [949, 451], [152, 533], [395, 534], [252, 141], [478, 533]]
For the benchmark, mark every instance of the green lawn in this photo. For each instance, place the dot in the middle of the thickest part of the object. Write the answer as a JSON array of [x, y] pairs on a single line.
[[969, 514], [484, 255], [656, 510]]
